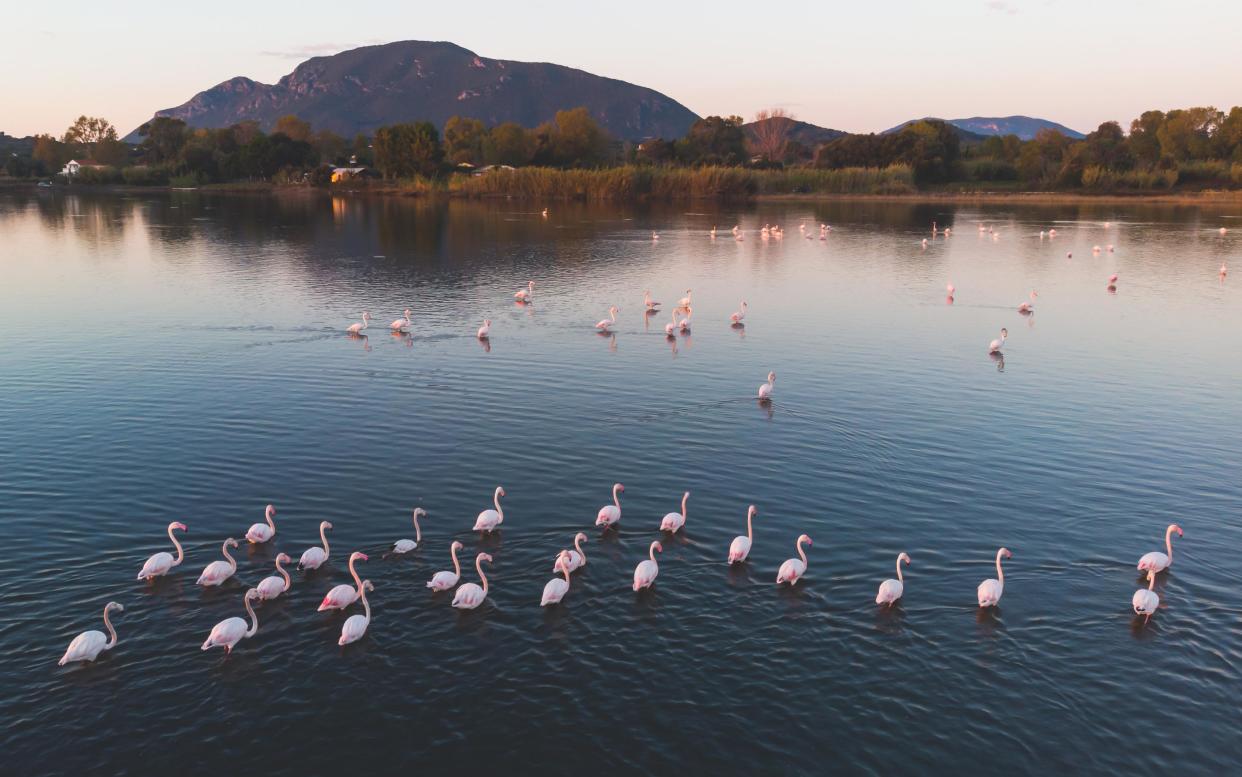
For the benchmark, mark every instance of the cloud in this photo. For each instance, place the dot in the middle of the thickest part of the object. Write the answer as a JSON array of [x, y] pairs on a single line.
[[1000, 6], [317, 49]]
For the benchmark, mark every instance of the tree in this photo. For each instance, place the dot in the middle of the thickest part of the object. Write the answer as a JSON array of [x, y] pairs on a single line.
[[1187, 134], [50, 152], [293, 128], [1041, 157], [580, 141], [508, 144], [463, 140], [655, 152], [1144, 141], [405, 150], [162, 139], [111, 151], [1107, 147], [714, 141], [88, 132], [770, 132], [329, 146]]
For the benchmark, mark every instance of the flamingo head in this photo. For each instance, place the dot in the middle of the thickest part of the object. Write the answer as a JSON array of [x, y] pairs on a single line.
[[752, 511], [1175, 528], [484, 557], [620, 487], [325, 525], [420, 511], [657, 547], [904, 557], [366, 316], [500, 491], [1004, 332], [253, 593], [407, 312], [358, 555], [1034, 294], [805, 538], [283, 558], [614, 310], [457, 545], [771, 377], [1005, 553], [530, 284], [580, 536], [232, 543], [487, 322], [270, 510], [177, 525], [367, 585], [114, 606]]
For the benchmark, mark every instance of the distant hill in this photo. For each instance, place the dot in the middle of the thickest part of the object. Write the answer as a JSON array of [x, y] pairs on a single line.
[[365, 88], [20, 146], [980, 127], [965, 135], [810, 136]]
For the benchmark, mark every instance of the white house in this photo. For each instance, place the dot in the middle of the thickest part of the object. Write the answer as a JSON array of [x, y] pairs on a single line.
[[73, 167]]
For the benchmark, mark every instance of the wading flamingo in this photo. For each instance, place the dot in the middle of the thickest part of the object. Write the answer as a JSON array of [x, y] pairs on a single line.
[[355, 626], [610, 514], [443, 581], [1028, 307], [891, 590], [793, 569], [217, 572], [739, 549], [605, 323], [314, 557], [89, 644], [684, 302], [401, 324], [262, 532], [405, 546], [557, 587], [990, 590], [161, 562], [1145, 600], [485, 331], [275, 585], [490, 520], [685, 322], [469, 595], [671, 329], [999, 343], [740, 315], [230, 631], [765, 389], [526, 294], [1156, 562], [343, 595], [359, 328], [950, 288], [649, 303], [673, 522], [576, 558], [647, 569]]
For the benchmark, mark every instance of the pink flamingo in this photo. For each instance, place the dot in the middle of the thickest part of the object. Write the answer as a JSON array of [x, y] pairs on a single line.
[[610, 514], [671, 329], [765, 389], [356, 329], [793, 569], [576, 558], [950, 288], [557, 587], [1027, 307], [1223, 270], [343, 595], [1146, 600], [526, 294], [485, 331], [469, 595], [1112, 279], [159, 563], [405, 546], [314, 557], [990, 590], [89, 644], [1156, 562], [685, 321], [355, 626], [274, 585], [228, 632], [262, 532], [401, 324], [605, 323], [217, 572], [740, 315], [684, 302], [490, 520], [996, 345], [673, 522], [647, 570], [443, 581], [649, 303], [739, 549], [891, 590]]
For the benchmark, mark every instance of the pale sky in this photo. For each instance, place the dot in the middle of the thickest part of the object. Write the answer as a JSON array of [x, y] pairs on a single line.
[[856, 66]]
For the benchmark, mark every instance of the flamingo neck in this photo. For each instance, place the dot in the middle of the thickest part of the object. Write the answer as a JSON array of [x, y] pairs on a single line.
[[616, 499], [456, 563], [283, 574], [418, 532], [323, 537], [684, 497], [177, 545], [225, 550], [578, 547], [268, 516], [254, 619], [801, 553], [111, 643], [1151, 582], [1000, 573], [366, 606], [478, 567], [1168, 543], [565, 570], [651, 553], [900, 579], [750, 525], [354, 572], [500, 514]]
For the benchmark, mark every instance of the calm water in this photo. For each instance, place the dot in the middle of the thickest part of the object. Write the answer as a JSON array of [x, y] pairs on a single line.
[[182, 357]]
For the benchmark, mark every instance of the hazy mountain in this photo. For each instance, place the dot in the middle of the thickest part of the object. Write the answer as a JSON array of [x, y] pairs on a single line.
[[365, 88], [1025, 127], [11, 145], [809, 135]]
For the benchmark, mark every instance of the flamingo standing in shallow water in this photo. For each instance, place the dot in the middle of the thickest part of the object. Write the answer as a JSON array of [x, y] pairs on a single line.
[[996, 345], [605, 323], [159, 563], [490, 520], [576, 558], [355, 329], [671, 328], [217, 572], [1028, 307], [990, 590], [401, 324], [685, 322], [649, 303], [673, 522], [355, 626], [765, 389], [684, 302], [740, 315], [89, 644], [647, 570], [405, 546], [275, 585], [610, 514], [891, 590], [525, 295], [1156, 562], [950, 288], [739, 549], [485, 331], [444, 580], [343, 595], [230, 631], [470, 595], [557, 587], [262, 532], [314, 557], [1146, 600], [793, 569]]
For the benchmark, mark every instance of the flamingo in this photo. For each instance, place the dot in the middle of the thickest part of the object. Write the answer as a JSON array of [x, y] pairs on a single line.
[[442, 581], [605, 323], [891, 590], [684, 302], [647, 569], [545, 213], [924, 243], [739, 549], [765, 389], [610, 514], [355, 626], [649, 303], [355, 329], [996, 345], [557, 587], [405, 546], [1145, 600], [1223, 230], [89, 644], [1112, 279], [673, 522], [1027, 307], [950, 288], [490, 520], [343, 595], [793, 569], [1052, 233], [576, 558], [485, 331], [713, 232], [401, 324], [262, 532], [1156, 562], [1112, 248], [1223, 270], [469, 595], [217, 572], [671, 329], [1069, 254], [990, 590], [685, 322], [740, 314], [275, 585], [1095, 249], [314, 557], [159, 563], [228, 632], [524, 295]]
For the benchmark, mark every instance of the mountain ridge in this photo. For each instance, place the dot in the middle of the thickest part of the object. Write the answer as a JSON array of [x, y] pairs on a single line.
[[1025, 127]]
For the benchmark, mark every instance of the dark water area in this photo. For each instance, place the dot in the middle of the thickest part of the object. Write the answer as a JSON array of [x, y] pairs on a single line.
[[182, 356]]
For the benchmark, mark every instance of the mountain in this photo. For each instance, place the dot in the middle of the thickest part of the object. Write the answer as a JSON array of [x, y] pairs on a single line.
[[1024, 127], [810, 136], [20, 146], [365, 88], [965, 135]]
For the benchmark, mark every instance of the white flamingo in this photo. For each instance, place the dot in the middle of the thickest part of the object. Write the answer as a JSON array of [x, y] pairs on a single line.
[[673, 522], [999, 343], [1145, 600], [354, 329], [275, 585], [648, 302], [990, 590], [228, 632], [576, 557], [401, 324], [159, 563], [470, 595], [341, 596], [557, 587], [891, 590], [765, 389], [739, 549], [262, 532], [485, 331], [405, 546], [89, 644], [610, 514], [685, 321], [1156, 562], [217, 572], [355, 626], [490, 520], [684, 302], [793, 569], [671, 328], [314, 557], [444, 580], [740, 315], [604, 323], [526, 294], [647, 570]]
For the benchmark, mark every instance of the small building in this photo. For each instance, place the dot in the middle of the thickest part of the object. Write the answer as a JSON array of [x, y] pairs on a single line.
[[488, 168], [347, 173], [73, 166]]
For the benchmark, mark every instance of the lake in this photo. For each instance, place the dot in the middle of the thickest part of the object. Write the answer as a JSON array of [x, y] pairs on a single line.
[[182, 356]]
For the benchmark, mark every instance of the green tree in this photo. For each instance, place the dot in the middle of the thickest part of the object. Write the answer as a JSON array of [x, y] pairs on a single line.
[[50, 152], [405, 150], [162, 140], [1187, 134], [578, 140], [293, 128], [1107, 147], [330, 147], [1144, 140], [463, 140], [508, 144], [714, 141], [88, 132]]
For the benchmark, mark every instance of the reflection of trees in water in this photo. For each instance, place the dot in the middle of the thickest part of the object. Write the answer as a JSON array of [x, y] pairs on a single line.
[[94, 218]]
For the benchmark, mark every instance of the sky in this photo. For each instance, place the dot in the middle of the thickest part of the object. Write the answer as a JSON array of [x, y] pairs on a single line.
[[855, 66]]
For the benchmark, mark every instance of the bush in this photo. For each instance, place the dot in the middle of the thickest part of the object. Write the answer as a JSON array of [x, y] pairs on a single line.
[[98, 175], [143, 175]]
